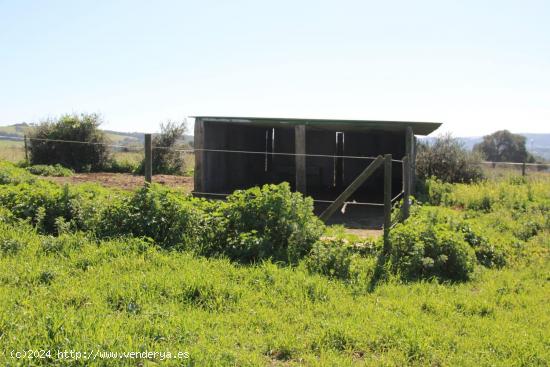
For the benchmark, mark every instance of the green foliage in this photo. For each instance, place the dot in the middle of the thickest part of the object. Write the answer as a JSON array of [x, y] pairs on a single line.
[[121, 166], [128, 295], [448, 160], [77, 156], [11, 174], [55, 170], [43, 203], [331, 257], [167, 217], [165, 160], [425, 247], [503, 146], [261, 223]]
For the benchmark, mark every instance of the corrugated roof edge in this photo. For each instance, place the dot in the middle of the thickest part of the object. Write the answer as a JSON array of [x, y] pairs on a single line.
[[419, 128]]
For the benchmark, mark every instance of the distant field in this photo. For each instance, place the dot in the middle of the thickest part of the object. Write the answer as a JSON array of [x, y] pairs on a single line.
[[12, 151]]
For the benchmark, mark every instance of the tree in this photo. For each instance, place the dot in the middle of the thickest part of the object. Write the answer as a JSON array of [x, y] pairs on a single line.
[[447, 159], [48, 142], [503, 146]]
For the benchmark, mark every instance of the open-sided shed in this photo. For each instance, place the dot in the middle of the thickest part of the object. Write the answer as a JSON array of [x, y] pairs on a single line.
[[319, 157]]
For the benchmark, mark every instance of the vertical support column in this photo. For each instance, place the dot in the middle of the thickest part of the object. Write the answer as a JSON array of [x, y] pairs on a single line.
[[300, 149], [409, 151], [387, 202], [148, 158], [339, 168], [198, 146], [406, 187]]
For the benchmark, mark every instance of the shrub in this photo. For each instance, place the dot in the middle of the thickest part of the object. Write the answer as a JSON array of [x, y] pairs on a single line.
[[448, 160], [10, 174], [121, 166], [261, 223], [80, 157], [423, 247], [167, 217], [331, 257], [165, 160], [43, 203], [56, 170]]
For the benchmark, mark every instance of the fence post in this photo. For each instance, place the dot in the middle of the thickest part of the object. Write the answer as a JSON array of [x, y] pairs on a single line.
[[148, 158], [26, 149], [387, 202], [523, 169], [406, 187]]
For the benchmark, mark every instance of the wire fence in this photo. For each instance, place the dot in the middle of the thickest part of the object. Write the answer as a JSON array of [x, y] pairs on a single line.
[[18, 152]]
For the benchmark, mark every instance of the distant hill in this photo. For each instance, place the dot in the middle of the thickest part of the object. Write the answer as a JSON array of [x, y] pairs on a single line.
[[116, 137], [537, 144]]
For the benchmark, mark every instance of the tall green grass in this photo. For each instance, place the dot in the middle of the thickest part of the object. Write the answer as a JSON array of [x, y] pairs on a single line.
[[73, 293]]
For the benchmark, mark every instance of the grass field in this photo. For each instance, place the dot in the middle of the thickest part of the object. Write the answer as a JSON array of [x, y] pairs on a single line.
[[76, 291]]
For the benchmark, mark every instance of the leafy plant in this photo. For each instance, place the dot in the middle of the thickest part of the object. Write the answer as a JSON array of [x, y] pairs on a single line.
[[55, 170], [331, 257]]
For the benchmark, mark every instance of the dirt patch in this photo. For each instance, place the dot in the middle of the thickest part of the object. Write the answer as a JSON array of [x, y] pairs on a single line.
[[125, 181]]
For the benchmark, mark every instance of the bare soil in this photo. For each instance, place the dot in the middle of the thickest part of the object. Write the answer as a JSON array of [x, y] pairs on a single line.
[[125, 181]]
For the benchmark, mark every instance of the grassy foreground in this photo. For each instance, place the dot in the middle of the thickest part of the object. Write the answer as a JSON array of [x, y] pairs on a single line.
[[70, 293]]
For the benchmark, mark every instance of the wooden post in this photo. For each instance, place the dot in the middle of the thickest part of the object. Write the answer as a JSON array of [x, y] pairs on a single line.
[[300, 149], [351, 188], [410, 151], [387, 202], [148, 158], [523, 169], [26, 150], [406, 187], [198, 145]]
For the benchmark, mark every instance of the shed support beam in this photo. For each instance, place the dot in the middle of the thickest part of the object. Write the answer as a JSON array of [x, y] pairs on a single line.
[[199, 156], [300, 150]]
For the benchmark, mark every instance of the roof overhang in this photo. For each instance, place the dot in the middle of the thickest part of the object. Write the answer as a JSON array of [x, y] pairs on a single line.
[[419, 128]]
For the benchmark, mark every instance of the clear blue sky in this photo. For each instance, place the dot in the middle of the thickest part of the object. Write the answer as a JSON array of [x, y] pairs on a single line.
[[478, 66]]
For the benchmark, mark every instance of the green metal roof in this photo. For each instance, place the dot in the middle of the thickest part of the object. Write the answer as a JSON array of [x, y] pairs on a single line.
[[419, 128]]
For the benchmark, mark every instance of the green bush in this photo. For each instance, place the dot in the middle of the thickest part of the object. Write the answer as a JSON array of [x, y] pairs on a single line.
[[448, 160], [10, 174], [165, 159], [55, 170], [43, 203], [120, 166], [423, 247], [169, 218], [261, 223], [46, 147], [331, 257]]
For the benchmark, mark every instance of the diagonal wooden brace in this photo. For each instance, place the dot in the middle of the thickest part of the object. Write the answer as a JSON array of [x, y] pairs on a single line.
[[351, 188]]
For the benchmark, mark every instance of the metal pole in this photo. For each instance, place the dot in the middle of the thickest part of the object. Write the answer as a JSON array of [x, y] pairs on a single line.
[[148, 159], [387, 202]]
